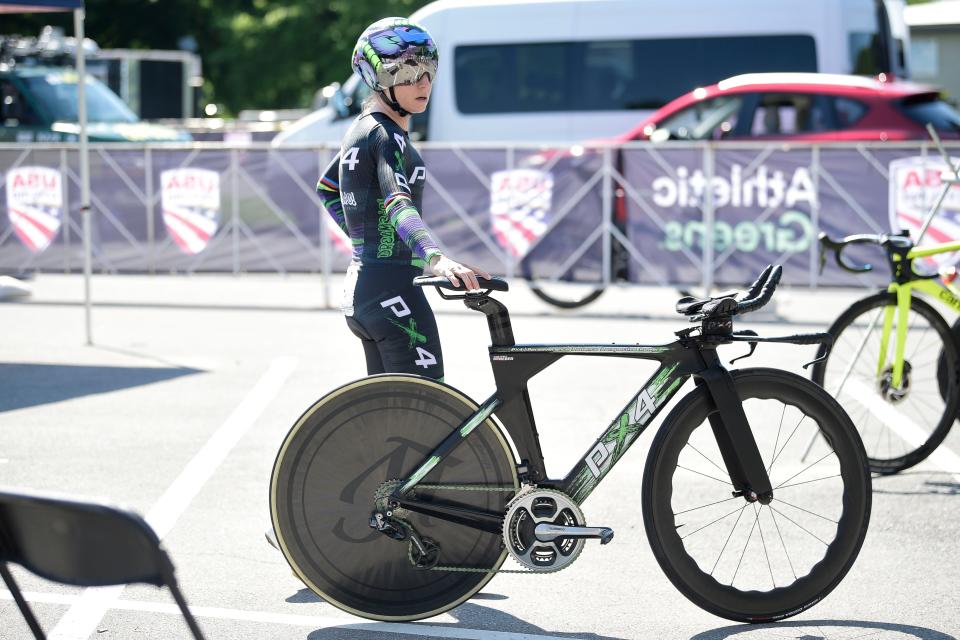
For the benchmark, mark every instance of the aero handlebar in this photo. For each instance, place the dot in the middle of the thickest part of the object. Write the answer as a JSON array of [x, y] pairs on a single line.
[[726, 304], [758, 283], [760, 294]]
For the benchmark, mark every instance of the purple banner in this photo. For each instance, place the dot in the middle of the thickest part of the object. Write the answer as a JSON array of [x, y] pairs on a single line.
[[679, 214]]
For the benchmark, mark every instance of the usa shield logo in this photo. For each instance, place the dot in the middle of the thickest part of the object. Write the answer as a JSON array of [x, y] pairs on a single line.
[[915, 185], [190, 199], [520, 206], [35, 205]]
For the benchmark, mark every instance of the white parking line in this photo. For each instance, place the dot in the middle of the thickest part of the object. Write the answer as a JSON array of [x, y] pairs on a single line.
[[903, 426], [85, 614], [293, 620]]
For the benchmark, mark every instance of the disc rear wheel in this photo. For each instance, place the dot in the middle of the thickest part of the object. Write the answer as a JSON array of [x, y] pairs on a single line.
[[350, 445]]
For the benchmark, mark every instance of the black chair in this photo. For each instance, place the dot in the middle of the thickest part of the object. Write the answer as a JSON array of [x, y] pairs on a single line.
[[85, 544]]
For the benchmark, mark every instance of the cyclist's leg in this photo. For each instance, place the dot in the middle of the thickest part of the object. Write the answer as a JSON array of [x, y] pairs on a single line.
[[370, 349], [398, 318], [412, 343]]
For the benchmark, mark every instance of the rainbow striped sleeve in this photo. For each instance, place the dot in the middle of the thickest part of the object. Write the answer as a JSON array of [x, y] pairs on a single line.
[[409, 225], [329, 192]]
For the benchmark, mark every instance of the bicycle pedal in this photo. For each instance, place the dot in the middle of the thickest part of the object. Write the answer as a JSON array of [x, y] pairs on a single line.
[[546, 532]]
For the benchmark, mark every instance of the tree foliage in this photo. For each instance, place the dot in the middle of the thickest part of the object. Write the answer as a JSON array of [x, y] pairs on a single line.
[[257, 54]]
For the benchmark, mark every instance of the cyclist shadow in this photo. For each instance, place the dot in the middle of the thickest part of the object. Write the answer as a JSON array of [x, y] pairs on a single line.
[[887, 485], [469, 615], [821, 630]]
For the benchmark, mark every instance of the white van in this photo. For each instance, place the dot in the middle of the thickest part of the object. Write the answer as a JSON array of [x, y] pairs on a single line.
[[568, 70]]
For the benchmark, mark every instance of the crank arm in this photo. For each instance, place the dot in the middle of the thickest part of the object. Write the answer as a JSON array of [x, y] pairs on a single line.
[[546, 532]]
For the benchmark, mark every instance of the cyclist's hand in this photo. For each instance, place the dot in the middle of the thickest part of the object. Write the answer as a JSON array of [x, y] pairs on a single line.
[[456, 272]]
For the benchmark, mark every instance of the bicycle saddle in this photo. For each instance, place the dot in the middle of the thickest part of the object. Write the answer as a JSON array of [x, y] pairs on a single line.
[[689, 306]]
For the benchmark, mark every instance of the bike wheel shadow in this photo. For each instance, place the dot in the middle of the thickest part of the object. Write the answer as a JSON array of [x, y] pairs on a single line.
[[470, 616], [823, 630], [304, 596], [307, 596], [927, 483]]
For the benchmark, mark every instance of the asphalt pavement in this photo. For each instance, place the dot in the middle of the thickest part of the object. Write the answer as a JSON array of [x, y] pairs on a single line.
[[177, 409]]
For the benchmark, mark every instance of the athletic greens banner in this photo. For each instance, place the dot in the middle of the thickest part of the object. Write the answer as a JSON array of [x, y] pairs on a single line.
[[726, 214], [657, 214]]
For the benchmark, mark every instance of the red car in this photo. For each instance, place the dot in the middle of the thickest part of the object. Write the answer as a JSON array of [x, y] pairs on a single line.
[[811, 107]]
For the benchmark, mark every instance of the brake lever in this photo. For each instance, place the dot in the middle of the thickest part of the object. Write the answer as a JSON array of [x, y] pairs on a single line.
[[816, 360], [753, 345], [827, 344], [824, 339]]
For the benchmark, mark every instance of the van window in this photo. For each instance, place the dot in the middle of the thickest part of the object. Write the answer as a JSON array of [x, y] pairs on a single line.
[[866, 54], [876, 50], [613, 75]]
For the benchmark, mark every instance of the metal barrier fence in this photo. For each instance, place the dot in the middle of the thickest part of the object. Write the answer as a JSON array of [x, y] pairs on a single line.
[[638, 212]]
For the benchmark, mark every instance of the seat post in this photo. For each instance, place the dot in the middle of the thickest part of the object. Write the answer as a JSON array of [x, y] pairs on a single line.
[[498, 319]]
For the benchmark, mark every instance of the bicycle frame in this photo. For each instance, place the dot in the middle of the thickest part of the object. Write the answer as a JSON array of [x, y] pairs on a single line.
[[513, 366], [904, 284]]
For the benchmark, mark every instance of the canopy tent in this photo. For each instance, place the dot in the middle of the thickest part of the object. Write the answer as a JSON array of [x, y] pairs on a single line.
[[23, 6]]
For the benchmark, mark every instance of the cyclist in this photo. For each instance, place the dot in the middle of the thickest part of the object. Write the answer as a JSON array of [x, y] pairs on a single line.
[[373, 188]]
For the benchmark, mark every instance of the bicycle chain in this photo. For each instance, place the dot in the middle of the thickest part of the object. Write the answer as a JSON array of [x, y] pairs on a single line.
[[470, 487]]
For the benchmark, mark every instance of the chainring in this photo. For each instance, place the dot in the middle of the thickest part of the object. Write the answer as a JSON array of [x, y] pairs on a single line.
[[531, 508]]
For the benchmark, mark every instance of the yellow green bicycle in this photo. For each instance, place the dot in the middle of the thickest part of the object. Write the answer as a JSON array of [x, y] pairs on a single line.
[[894, 363]]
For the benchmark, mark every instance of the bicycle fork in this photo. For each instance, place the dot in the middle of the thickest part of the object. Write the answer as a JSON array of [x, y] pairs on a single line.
[[885, 317], [738, 447], [903, 314]]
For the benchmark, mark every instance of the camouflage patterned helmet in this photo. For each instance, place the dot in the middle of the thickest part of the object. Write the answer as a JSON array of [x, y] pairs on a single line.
[[394, 51]]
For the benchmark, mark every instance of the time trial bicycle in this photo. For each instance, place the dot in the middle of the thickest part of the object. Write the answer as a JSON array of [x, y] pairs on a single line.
[[397, 497]]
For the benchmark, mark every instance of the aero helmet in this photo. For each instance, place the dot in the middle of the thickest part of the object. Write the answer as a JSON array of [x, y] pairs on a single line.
[[391, 52]]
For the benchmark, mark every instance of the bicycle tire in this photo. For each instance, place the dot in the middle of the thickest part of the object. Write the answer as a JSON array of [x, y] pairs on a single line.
[[674, 480], [919, 422], [554, 298], [335, 457], [565, 303], [942, 379]]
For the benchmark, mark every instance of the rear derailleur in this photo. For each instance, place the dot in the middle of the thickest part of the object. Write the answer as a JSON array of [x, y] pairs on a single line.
[[424, 552]]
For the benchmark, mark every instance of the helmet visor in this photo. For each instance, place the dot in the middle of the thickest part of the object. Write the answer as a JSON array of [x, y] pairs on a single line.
[[409, 67]]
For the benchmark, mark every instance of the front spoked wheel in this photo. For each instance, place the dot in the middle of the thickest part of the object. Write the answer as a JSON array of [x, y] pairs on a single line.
[[900, 424], [748, 561], [351, 448]]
